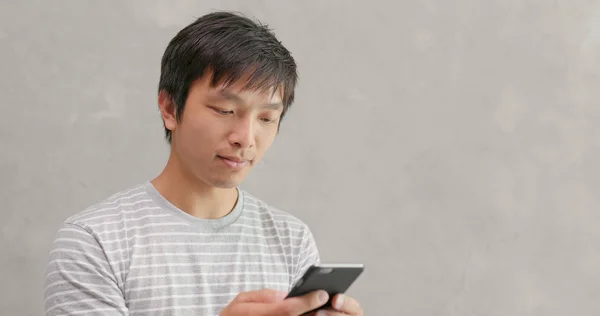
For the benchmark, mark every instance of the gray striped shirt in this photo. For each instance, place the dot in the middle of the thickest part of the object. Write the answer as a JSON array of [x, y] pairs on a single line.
[[137, 254]]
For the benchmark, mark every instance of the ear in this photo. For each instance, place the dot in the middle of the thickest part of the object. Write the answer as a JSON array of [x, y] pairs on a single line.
[[167, 110]]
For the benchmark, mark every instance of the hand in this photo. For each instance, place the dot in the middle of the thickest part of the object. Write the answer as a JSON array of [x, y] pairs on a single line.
[[340, 306], [273, 303]]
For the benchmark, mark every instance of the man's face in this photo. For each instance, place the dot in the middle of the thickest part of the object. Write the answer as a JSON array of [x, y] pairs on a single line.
[[223, 133]]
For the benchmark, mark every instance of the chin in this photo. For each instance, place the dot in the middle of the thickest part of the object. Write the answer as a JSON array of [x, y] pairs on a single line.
[[225, 183]]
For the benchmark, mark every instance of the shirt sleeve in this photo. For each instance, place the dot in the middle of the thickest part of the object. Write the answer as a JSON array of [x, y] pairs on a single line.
[[79, 279], [308, 256]]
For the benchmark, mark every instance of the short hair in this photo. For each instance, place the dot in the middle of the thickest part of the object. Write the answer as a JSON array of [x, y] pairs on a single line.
[[230, 46]]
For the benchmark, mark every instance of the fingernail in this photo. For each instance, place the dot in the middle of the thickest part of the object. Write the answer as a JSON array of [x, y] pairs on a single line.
[[339, 302], [323, 297], [321, 313]]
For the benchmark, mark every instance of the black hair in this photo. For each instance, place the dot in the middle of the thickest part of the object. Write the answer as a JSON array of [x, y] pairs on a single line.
[[231, 46]]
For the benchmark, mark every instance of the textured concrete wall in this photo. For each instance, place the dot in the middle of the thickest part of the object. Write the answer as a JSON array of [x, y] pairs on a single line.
[[451, 146]]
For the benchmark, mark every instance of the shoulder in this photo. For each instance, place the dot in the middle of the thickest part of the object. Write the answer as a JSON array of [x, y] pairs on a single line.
[[114, 210], [273, 216]]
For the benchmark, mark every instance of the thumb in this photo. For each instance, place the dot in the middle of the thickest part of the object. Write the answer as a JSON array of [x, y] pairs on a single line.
[[260, 296]]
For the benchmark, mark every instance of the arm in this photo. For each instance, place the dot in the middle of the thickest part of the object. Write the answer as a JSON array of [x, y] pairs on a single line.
[[79, 279]]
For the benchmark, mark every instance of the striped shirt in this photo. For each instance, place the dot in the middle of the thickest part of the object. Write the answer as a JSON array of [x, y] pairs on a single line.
[[137, 254]]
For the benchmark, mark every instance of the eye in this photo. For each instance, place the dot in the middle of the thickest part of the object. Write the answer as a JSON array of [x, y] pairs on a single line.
[[221, 111], [267, 120]]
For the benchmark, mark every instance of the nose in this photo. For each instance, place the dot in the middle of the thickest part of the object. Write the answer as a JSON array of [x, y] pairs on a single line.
[[242, 135]]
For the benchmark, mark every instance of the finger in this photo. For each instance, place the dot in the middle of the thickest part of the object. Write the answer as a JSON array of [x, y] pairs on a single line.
[[327, 312], [346, 304], [302, 304], [260, 296]]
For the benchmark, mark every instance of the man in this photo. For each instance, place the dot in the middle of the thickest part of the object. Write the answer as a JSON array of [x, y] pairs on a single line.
[[190, 242]]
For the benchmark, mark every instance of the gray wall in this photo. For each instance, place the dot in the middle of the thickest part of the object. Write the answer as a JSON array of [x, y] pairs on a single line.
[[453, 146]]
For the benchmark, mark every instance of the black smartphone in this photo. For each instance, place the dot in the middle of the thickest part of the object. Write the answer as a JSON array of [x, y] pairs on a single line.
[[333, 278]]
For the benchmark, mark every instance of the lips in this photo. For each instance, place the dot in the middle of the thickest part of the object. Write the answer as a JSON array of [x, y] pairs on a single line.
[[234, 162]]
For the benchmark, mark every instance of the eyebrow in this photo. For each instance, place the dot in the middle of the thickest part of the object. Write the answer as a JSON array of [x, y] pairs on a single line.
[[237, 99]]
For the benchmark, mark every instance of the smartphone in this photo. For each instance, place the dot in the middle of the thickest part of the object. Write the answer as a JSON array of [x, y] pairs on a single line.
[[333, 278]]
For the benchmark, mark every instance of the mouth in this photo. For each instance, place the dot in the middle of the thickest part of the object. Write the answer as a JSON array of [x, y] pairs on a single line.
[[234, 162]]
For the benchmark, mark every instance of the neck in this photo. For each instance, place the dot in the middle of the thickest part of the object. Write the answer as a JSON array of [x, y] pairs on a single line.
[[192, 195]]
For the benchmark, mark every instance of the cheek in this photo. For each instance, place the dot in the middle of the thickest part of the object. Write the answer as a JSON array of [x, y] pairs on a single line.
[[265, 140], [201, 125], [198, 137]]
